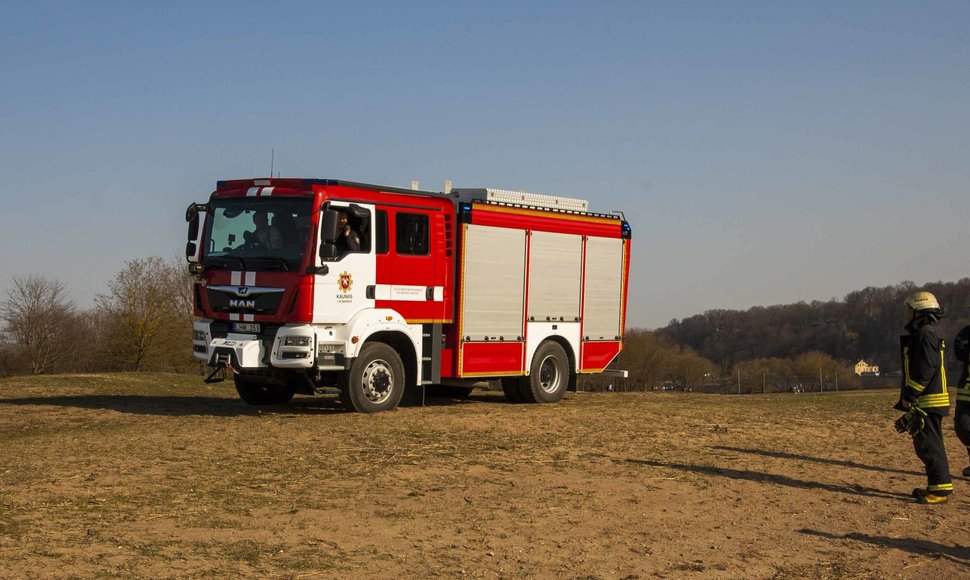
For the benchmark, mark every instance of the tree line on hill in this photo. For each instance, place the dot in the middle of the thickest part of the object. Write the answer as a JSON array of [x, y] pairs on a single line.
[[864, 325], [142, 322], [795, 347], [655, 362]]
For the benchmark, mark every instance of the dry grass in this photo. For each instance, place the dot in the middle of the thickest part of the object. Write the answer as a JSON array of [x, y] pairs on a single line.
[[162, 476]]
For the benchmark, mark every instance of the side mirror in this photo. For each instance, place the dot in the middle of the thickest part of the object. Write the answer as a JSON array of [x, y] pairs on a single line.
[[193, 233], [195, 215], [331, 224], [328, 251], [194, 210]]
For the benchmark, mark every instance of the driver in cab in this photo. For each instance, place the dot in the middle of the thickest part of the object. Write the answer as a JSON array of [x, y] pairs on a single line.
[[264, 235], [348, 240]]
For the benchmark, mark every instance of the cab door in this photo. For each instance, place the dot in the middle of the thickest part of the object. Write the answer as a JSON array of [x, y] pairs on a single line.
[[342, 278], [411, 274]]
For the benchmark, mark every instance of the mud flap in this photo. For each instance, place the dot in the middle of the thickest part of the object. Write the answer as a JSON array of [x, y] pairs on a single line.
[[413, 396]]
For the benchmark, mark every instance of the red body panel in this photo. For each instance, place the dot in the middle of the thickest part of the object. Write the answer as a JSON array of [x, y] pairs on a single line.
[[296, 304], [481, 359], [596, 355], [528, 219], [436, 269]]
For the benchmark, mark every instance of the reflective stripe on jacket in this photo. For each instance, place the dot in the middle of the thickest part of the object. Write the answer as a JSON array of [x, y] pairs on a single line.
[[924, 369]]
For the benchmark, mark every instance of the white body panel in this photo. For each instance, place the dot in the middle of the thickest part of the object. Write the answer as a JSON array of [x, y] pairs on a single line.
[[247, 348], [201, 325], [493, 297], [324, 339], [604, 288], [555, 276], [537, 332], [341, 293]]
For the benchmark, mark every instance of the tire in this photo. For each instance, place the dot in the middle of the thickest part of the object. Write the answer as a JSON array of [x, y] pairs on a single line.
[[548, 376], [256, 393], [375, 381], [449, 391], [512, 390]]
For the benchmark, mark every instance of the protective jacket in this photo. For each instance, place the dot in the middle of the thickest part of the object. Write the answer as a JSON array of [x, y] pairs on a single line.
[[924, 370], [963, 389]]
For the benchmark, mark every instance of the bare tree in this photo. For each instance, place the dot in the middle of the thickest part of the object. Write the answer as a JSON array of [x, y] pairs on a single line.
[[39, 316], [9, 361], [147, 316]]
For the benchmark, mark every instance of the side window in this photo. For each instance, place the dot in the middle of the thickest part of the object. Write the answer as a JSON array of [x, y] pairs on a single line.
[[412, 234], [353, 234], [380, 232]]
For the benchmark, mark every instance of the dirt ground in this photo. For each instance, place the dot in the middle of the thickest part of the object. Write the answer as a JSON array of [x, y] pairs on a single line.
[[162, 476]]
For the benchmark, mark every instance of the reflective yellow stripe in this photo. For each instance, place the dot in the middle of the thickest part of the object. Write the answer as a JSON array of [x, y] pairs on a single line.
[[932, 401], [963, 396], [915, 386], [943, 364], [940, 487]]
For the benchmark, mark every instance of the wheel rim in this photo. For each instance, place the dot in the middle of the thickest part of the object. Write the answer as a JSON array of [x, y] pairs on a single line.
[[549, 375], [378, 381]]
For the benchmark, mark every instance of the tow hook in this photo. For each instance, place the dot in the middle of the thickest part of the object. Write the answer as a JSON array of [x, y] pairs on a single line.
[[222, 362], [212, 378]]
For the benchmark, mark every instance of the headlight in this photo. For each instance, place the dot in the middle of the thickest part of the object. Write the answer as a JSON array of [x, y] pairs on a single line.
[[297, 341], [198, 335]]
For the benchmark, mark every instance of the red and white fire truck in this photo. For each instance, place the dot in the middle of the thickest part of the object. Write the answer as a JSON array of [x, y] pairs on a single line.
[[308, 285]]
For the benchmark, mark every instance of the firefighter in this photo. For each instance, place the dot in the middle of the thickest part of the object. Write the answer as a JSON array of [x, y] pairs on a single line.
[[265, 236], [923, 395], [961, 419], [349, 240]]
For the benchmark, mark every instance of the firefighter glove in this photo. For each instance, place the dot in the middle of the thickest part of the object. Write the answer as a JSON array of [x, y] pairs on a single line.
[[912, 422]]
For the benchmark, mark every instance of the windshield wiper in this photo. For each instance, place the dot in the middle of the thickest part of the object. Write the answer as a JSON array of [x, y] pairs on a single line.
[[277, 261], [224, 261]]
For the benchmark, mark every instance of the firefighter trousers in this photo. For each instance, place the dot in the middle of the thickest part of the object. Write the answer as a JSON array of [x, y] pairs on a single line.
[[961, 424], [929, 448]]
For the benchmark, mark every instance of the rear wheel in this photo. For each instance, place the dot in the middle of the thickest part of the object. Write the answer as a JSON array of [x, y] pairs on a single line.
[[510, 386], [256, 393], [376, 380], [548, 376]]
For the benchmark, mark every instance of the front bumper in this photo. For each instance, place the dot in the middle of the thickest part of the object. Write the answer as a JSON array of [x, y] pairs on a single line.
[[292, 347]]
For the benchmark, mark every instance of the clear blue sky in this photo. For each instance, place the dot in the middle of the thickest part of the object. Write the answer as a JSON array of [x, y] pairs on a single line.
[[764, 152]]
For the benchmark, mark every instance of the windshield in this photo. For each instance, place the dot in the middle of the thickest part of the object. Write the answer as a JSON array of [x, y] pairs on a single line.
[[257, 234]]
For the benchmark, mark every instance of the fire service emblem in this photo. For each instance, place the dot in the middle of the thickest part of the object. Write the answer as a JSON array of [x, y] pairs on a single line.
[[345, 282]]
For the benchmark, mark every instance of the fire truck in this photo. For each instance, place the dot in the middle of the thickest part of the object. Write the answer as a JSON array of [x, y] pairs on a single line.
[[306, 286]]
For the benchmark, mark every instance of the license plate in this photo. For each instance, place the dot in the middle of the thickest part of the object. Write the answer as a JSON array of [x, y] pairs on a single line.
[[252, 327]]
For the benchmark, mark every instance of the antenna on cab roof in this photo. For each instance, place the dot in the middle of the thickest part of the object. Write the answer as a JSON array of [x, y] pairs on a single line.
[[272, 160]]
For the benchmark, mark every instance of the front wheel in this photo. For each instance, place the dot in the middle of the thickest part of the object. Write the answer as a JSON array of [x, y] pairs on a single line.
[[548, 376], [256, 393], [375, 381]]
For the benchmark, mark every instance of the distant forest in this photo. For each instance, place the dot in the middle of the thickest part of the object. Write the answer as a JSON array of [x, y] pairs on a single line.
[[864, 325]]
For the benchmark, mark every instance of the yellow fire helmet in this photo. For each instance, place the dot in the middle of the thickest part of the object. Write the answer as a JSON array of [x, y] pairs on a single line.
[[921, 301]]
